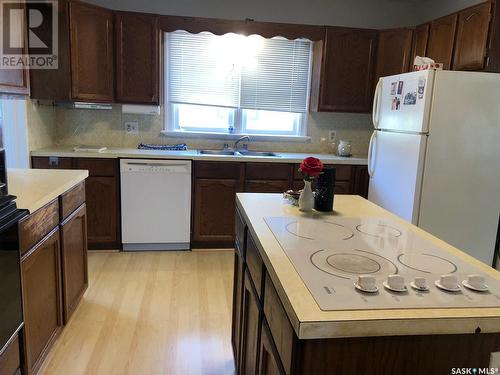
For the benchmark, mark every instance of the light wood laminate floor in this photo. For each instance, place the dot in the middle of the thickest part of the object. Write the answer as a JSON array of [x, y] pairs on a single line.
[[150, 313]]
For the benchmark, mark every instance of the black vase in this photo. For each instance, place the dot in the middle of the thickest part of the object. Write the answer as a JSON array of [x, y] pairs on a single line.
[[325, 185]]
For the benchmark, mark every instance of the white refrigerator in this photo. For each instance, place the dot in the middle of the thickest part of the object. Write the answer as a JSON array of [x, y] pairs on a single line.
[[434, 157]]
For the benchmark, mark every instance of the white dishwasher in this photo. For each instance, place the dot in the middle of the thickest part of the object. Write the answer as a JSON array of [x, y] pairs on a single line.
[[156, 204]]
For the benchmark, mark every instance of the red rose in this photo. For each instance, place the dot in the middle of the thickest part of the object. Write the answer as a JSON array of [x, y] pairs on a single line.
[[311, 167]]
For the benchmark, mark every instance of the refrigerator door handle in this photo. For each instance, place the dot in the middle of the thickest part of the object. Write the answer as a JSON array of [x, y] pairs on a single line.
[[376, 100], [371, 170]]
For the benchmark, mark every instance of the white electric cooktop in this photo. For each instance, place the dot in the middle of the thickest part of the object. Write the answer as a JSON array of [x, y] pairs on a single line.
[[331, 253]]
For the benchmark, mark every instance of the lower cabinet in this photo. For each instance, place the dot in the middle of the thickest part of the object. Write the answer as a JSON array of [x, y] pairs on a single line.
[[269, 362], [74, 260], [250, 329], [238, 281], [213, 211], [42, 299]]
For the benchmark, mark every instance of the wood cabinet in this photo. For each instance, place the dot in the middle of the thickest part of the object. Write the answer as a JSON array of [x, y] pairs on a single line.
[[343, 67], [91, 38], [86, 55], [102, 193], [214, 204], [15, 81], [42, 299], [472, 37], [394, 52], [137, 58], [10, 359], [239, 274], [420, 40], [269, 362], [74, 260], [442, 39], [250, 329]]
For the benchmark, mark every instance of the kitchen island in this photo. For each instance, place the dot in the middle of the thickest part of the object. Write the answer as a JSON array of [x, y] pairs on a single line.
[[279, 327]]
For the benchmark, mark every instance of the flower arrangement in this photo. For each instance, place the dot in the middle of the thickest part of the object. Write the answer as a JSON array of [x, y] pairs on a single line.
[[310, 168]]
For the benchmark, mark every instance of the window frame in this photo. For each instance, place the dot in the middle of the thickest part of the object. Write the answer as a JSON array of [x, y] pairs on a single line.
[[171, 125]]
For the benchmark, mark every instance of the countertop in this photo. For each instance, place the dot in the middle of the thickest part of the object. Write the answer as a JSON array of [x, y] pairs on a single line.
[[284, 157], [34, 188], [310, 322]]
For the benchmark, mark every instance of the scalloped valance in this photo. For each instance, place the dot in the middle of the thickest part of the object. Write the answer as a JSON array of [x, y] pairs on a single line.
[[246, 27]]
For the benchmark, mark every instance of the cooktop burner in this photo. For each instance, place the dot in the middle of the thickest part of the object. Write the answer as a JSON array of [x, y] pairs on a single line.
[[331, 253], [352, 263]]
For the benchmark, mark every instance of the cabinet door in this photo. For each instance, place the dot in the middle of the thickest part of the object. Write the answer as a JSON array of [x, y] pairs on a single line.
[[41, 280], [347, 70], [91, 30], [137, 58], [269, 363], [237, 303], [441, 40], [213, 214], [472, 38], [102, 212], [250, 332], [394, 51], [361, 181], [74, 260], [420, 39]]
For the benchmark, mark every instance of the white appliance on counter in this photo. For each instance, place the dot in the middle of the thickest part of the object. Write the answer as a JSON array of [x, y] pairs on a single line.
[[434, 157], [156, 204]]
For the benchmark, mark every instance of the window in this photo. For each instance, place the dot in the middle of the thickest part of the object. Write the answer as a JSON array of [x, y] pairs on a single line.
[[234, 84]]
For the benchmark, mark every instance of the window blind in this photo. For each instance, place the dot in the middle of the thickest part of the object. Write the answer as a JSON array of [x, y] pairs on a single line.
[[238, 71]]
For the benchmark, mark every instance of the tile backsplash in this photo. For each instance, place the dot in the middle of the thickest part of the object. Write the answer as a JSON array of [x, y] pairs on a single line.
[[60, 126]]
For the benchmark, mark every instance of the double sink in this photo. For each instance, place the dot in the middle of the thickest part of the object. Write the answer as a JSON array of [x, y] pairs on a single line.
[[242, 152]]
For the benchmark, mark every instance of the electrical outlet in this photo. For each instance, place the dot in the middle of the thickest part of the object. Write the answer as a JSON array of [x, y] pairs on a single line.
[[332, 134], [132, 128]]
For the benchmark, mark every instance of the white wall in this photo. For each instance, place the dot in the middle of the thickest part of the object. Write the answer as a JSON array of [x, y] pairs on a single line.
[[354, 13]]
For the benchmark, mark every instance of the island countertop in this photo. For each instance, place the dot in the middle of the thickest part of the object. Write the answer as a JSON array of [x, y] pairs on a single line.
[[34, 188], [310, 322], [281, 157]]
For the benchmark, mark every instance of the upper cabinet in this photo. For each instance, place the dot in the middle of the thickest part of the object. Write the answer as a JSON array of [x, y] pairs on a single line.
[[137, 58], [15, 81], [85, 67], [394, 52], [441, 39], [472, 37], [420, 40], [91, 30], [343, 70]]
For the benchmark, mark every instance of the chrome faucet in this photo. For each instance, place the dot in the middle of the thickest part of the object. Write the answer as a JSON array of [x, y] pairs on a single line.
[[241, 139]]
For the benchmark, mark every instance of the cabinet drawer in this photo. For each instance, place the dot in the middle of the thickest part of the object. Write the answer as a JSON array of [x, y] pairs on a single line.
[[342, 172], [267, 171], [72, 199], [10, 360], [266, 186], [342, 187], [254, 264], [216, 169], [279, 325], [240, 233], [98, 167], [37, 225], [45, 162]]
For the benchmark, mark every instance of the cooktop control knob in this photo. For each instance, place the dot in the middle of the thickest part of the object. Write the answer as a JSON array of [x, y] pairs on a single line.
[[366, 283], [476, 283], [420, 283], [448, 283], [395, 283]]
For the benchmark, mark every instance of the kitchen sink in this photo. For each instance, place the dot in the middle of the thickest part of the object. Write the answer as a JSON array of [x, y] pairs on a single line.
[[217, 152], [258, 153], [238, 153]]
